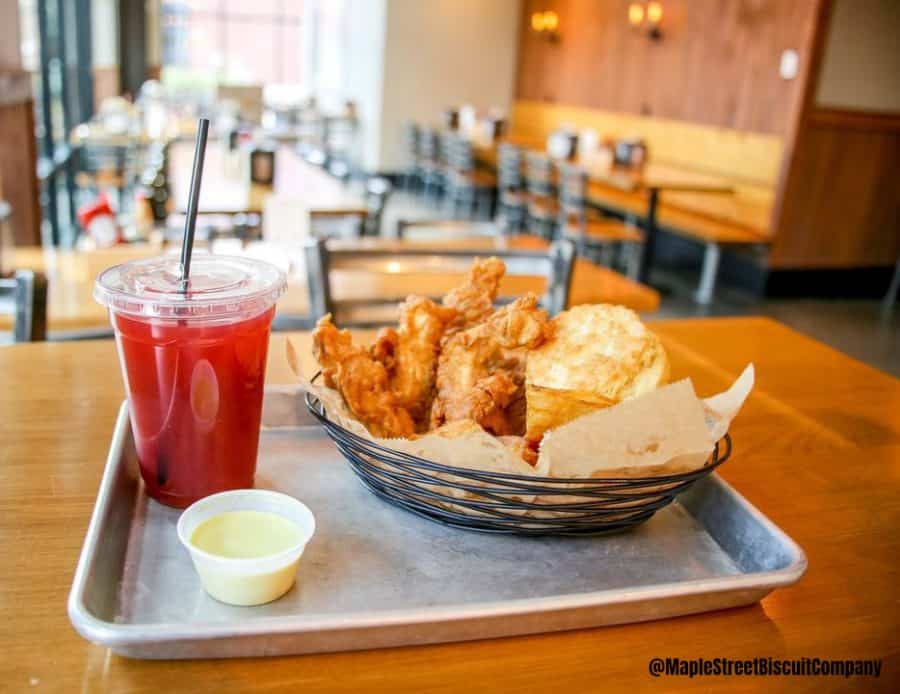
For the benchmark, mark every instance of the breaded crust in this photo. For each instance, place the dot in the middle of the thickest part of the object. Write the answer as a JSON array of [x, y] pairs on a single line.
[[599, 355]]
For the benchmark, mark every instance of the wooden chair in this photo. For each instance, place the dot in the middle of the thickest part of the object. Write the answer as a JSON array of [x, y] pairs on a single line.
[[24, 296], [467, 187], [556, 264], [512, 207], [591, 232], [543, 207]]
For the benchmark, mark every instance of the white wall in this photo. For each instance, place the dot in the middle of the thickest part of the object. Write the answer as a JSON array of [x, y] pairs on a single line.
[[441, 53], [411, 59], [861, 65], [364, 44]]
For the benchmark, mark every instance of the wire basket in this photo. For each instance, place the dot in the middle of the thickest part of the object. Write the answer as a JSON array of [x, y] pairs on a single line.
[[496, 502]]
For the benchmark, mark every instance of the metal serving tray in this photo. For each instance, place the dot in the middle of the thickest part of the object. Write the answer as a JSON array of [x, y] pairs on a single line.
[[376, 576]]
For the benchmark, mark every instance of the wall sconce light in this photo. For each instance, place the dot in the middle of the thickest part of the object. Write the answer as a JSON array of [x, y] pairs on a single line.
[[635, 14], [647, 17], [546, 24]]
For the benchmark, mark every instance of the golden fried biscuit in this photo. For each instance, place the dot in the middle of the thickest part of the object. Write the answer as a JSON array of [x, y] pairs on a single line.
[[599, 355]]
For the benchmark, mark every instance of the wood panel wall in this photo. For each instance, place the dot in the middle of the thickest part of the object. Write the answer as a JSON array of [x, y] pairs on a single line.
[[18, 157], [716, 64], [750, 163], [838, 202], [842, 197]]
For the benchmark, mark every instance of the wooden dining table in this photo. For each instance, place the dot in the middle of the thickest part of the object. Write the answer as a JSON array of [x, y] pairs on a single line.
[[647, 182], [816, 449], [71, 276]]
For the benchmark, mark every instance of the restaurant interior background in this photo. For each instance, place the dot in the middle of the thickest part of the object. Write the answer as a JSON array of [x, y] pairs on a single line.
[[741, 156]]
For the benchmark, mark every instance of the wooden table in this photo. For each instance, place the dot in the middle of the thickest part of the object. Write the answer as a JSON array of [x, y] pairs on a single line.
[[817, 449], [230, 193], [71, 277], [650, 181]]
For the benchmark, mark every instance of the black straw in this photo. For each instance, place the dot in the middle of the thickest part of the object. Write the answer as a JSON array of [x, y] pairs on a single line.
[[187, 244]]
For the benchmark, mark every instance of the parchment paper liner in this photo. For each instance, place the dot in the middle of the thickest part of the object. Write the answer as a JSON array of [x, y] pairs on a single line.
[[665, 432]]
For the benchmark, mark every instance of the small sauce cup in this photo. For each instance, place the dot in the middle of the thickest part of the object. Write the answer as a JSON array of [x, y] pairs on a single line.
[[247, 581]]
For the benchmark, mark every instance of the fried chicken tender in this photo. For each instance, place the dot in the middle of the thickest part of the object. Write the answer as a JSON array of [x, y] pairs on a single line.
[[363, 381], [481, 371], [474, 299], [410, 353], [391, 385]]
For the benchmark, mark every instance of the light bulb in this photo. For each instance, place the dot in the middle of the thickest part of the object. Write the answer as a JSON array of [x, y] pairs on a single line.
[[551, 21], [635, 14]]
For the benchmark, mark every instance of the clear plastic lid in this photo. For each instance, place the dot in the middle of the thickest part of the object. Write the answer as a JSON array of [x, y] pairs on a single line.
[[220, 287]]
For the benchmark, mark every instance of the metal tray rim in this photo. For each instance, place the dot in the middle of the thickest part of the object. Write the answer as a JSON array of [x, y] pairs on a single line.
[[114, 634]]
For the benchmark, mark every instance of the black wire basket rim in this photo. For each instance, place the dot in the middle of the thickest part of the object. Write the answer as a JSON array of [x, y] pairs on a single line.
[[532, 528], [499, 503], [502, 495], [516, 521], [317, 409]]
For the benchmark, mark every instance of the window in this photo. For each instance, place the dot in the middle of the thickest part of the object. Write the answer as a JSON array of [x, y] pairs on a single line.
[[55, 49], [237, 41], [329, 51]]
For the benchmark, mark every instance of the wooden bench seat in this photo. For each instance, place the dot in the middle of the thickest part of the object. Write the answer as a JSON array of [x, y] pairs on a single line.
[[713, 234], [706, 229], [632, 203]]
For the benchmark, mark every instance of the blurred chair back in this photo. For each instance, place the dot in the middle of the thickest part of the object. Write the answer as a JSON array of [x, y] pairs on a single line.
[[447, 142], [431, 163], [538, 173], [410, 142], [460, 155], [322, 258], [573, 185], [24, 296], [378, 190], [429, 148], [543, 208], [509, 167]]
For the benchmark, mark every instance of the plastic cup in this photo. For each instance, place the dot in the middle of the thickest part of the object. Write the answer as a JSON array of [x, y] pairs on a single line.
[[194, 366], [247, 581]]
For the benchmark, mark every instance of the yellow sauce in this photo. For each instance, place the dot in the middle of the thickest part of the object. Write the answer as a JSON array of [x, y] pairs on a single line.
[[245, 535]]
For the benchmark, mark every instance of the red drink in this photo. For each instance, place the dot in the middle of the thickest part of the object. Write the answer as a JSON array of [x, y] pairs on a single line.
[[196, 398], [194, 369]]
